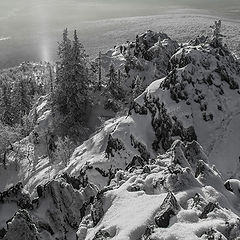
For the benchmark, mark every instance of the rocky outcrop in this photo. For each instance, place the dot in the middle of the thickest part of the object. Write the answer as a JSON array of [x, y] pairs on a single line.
[[42, 115], [16, 195], [168, 187], [62, 206], [22, 227], [168, 209], [66, 206]]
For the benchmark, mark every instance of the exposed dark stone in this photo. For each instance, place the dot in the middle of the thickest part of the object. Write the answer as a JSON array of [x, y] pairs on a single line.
[[137, 161], [168, 209], [102, 172], [134, 188], [208, 208], [173, 169], [227, 185]]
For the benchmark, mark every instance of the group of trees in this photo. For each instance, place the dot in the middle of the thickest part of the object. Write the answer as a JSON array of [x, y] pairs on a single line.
[[20, 87], [75, 83], [70, 86], [17, 96], [71, 95]]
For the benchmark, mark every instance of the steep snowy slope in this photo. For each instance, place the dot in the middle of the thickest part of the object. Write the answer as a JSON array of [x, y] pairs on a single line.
[[143, 175], [55, 214], [198, 100], [174, 191], [176, 196], [147, 57]]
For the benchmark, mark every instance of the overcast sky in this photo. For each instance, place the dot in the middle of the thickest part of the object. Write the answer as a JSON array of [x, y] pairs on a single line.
[[27, 26], [94, 9], [20, 15]]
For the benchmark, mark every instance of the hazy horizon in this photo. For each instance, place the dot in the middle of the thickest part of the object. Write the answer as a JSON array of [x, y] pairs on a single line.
[[29, 29]]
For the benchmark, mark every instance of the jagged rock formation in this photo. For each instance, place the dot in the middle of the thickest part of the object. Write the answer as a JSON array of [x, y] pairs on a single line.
[[22, 227], [145, 175], [197, 100], [42, 115], [55, 214], [169, 197], [168, 209], [15, 194], [148, 57]]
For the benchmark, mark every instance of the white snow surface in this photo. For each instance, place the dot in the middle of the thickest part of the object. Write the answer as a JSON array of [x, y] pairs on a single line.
[[128, 212], [219, 137]]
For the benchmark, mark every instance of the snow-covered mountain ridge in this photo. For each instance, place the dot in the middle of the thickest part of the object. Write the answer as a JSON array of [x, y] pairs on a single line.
[[198, 100], [161, 169]]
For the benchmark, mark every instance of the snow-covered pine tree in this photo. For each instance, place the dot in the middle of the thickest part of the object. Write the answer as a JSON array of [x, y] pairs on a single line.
[[217, 37], [99, 70], [60, 97], [7, 116], [71, 95], [112, 79], [78, 83], [50, 78], [21, 100], [113, 85]]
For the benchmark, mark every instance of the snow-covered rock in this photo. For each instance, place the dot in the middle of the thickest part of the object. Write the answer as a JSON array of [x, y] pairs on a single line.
[[42, 115], [161, 203], [146, 175], [147, 57], [22, 227], [55, 213], [197, 100]]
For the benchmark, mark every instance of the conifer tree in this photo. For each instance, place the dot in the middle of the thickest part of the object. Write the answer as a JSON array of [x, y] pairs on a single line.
[[7, 116], [114, 84], [21, 101], [71, 97], [50, 78], [217, 38], [79, 83], [112, 79], [99, 71], [60, 98]]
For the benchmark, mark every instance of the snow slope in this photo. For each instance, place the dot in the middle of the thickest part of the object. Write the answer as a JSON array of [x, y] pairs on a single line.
[[143, 175], [131, 210], [198, 100]]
